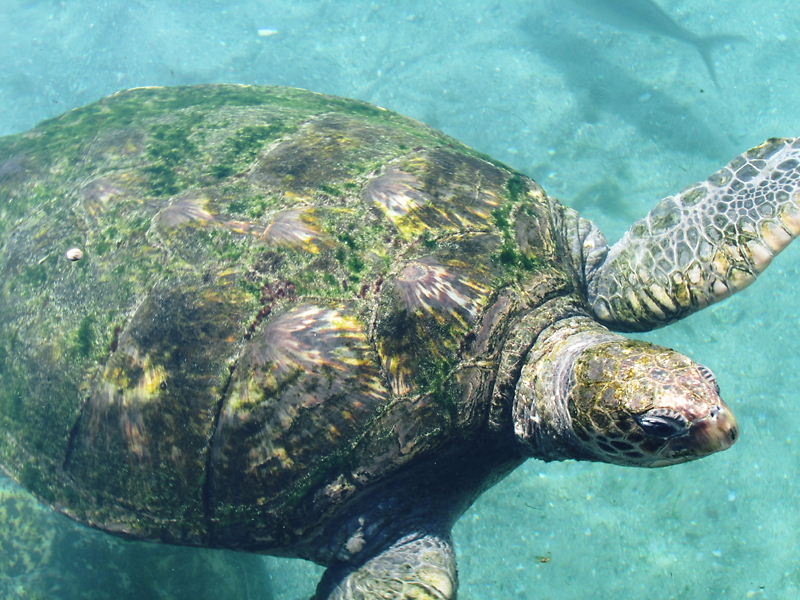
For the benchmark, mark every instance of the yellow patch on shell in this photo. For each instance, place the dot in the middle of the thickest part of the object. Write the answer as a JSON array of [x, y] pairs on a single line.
[[441, 299], [399, 197], [295, 227], [396, 193], [441, 290], [185, 210], [148, 386], [308, 339], [131, 396], [282, 455], [400, 375], [308, 364]]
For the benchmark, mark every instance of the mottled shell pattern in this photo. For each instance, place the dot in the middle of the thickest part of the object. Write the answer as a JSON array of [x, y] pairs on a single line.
[[226, 309]]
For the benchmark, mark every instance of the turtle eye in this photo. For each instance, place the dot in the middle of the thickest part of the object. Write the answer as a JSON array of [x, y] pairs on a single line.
[[708, 376], [663, 423]]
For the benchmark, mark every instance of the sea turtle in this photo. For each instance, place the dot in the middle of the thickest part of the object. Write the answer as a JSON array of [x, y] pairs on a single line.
[[272, 320]]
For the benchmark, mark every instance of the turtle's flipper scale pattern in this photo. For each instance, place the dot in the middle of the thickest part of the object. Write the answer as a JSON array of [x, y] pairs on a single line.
[[420, 566], [703, 244]]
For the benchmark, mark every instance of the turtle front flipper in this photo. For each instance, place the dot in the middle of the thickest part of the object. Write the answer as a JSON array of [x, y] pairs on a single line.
[[421, 566], [701, 245]]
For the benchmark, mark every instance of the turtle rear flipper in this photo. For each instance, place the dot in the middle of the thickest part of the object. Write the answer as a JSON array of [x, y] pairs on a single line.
[[420, 565], [701, 245]]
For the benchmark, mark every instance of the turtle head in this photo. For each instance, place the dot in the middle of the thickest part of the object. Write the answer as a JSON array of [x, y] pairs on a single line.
[[594, 395], [635, 403]]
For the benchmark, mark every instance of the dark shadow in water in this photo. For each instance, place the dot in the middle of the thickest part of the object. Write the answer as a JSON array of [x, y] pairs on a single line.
[[608, 193], [604, 87], [647, 17]]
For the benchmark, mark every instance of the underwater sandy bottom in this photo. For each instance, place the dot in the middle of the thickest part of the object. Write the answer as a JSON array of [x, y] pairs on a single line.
[[606, 119]]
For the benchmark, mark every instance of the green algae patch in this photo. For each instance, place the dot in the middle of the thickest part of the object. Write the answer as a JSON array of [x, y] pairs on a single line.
[[85, 337], [169, 148], [242, 147], [517, 188]]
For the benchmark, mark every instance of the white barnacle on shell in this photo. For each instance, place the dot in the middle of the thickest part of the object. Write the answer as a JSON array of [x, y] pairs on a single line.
[[73, 254]]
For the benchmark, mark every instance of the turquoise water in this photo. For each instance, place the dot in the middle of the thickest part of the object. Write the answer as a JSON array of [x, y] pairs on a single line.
[[608, 113]]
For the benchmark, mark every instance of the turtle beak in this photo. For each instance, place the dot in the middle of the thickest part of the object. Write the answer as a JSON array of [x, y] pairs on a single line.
[[712, 433], [718, 431]]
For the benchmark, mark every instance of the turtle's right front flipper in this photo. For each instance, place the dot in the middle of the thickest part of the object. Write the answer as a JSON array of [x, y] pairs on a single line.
[[701, 245]]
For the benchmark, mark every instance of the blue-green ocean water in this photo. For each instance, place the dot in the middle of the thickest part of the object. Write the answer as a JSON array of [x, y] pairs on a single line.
[[608, 113]]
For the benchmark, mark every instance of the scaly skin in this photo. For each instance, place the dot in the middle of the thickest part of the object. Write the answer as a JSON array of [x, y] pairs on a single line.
[[589, 394], [701, 245], [420, 566]]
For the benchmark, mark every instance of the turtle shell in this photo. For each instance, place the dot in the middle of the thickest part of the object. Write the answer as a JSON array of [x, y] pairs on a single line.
[[226, 310]]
